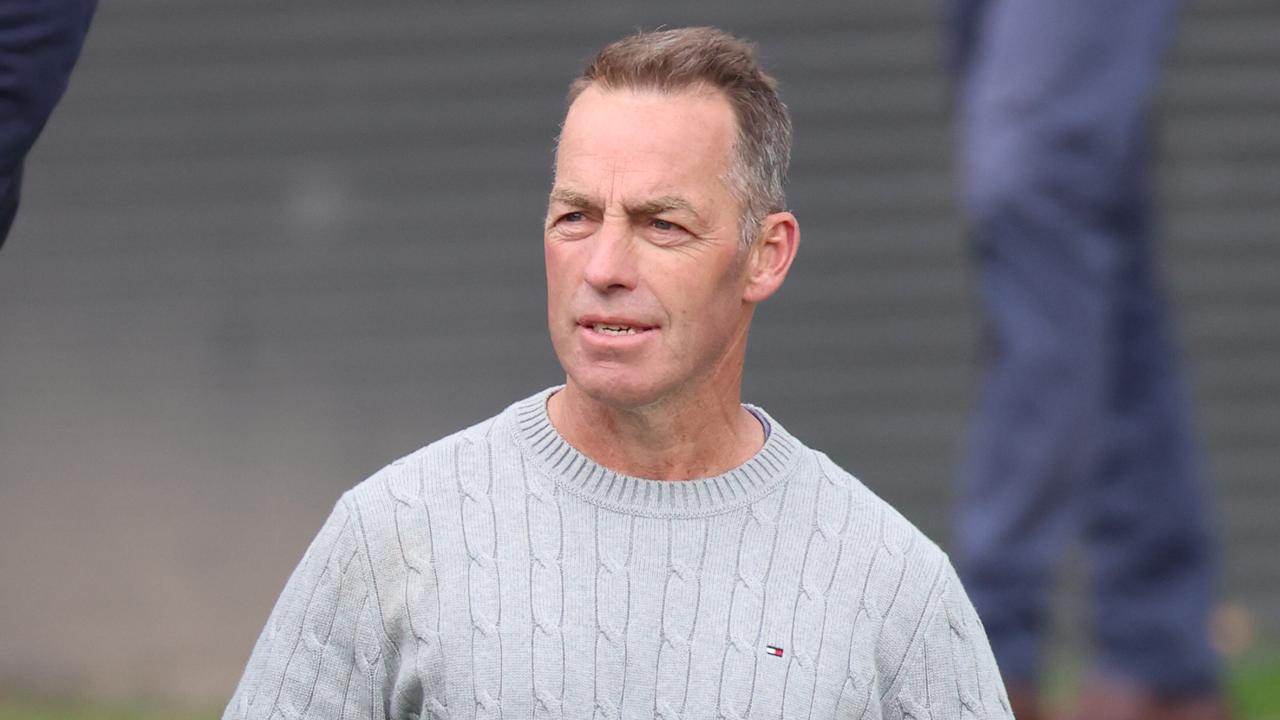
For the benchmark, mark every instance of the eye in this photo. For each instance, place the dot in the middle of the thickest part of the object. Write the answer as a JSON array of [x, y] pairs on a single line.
[[571, 225], [666, 225]]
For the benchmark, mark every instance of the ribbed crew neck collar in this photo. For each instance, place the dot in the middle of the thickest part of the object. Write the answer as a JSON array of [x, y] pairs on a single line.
[[574, 472]]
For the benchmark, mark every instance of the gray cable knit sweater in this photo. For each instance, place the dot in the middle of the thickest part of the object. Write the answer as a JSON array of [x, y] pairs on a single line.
[[499, 573]]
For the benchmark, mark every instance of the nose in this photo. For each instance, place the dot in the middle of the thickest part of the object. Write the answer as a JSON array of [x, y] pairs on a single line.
[[612, 262]]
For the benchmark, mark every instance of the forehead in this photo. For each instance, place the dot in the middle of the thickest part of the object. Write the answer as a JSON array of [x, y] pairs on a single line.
[[641, 136]]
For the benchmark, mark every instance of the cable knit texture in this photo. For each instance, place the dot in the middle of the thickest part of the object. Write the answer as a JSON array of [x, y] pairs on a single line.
[[499, 573]]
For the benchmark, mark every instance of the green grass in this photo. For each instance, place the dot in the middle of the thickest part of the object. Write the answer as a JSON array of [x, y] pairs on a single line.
[[1255, 689]]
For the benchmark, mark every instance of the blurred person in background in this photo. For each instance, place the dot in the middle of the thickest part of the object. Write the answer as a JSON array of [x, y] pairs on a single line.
[[40, 41], [1081, 430], [637, 543]]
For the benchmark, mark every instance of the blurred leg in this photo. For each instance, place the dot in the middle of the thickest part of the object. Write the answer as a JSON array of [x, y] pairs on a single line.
[[1147, 534], [1053, 105], [1044, 324]]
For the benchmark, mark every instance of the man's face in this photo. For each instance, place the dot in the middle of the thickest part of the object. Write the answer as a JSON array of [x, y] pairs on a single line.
[[645, 271]]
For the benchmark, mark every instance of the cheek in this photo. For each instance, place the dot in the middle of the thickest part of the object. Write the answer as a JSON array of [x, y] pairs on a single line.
[[721, 284], [558, 268], [706, 308]]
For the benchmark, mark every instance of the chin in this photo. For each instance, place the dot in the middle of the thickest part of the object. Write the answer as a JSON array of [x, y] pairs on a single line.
[[618, 389]]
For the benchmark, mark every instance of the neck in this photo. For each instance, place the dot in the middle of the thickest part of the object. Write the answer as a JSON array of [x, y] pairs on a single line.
[[685, 439]]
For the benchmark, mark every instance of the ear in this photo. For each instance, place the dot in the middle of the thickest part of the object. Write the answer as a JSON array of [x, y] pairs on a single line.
[[770, 256]]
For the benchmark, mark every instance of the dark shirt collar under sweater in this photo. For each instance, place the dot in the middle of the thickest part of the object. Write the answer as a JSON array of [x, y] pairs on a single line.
[[575, 473]]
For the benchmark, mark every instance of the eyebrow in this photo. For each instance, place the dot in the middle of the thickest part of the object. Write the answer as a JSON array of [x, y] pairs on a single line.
[[648, 208], [663, 204], [571, 197]]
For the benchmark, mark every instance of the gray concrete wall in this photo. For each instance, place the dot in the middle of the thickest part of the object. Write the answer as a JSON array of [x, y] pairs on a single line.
[[267, 247]]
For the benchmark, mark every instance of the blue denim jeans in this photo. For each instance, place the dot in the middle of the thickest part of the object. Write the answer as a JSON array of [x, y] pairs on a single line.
[[1081, 430]]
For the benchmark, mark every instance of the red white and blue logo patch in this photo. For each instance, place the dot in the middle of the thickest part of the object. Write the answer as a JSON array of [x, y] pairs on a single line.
[[773, 650]]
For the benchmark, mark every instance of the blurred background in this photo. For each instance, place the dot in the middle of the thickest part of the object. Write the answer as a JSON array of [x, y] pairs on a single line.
[[267, 247]]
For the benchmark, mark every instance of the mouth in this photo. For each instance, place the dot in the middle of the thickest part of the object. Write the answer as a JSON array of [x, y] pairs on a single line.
[[613, 327]]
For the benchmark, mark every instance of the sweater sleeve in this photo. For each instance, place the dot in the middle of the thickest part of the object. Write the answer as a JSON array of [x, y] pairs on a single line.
[[951, 672], [321, 652]]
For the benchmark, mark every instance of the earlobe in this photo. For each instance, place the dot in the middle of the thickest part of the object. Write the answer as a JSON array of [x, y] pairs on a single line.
[[771, 256]]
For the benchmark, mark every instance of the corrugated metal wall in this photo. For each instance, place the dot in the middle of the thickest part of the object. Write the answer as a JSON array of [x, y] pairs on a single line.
[[268, 247], [1221, 197]]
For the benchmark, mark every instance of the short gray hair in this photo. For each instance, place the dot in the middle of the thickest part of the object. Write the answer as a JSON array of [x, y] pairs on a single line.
[[678, 60]]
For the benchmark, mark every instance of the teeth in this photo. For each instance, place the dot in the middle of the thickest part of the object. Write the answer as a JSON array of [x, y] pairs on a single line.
[[614, 329]]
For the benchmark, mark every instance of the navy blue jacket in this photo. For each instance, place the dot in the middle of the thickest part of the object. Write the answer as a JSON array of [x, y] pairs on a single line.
[[39, 43]]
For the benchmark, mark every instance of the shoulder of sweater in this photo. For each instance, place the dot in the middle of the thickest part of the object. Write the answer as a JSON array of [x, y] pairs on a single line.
[[407, 479], [394, 498], [898, 536]]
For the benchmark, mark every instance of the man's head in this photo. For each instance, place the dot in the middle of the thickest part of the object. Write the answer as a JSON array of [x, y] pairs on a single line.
[[650, 285], [674, 61]]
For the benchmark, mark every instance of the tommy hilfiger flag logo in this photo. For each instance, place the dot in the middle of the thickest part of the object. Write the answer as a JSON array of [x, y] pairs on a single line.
[[773, 650]]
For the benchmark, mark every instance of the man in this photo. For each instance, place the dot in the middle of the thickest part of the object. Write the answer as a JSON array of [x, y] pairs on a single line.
[[1081, 429], [636, 543]]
